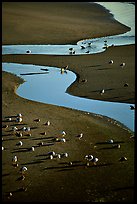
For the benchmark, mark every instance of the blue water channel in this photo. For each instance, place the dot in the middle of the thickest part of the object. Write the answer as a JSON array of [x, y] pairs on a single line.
[[50, 86]]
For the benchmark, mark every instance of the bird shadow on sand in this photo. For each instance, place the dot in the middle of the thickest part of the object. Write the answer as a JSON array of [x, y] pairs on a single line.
[[75, 166], [101, 69], [41, 138], [18, 124], [11, 116], [10, 139], [101, 143], [9, 134], [21, 150], [33, 162], [98, 65]]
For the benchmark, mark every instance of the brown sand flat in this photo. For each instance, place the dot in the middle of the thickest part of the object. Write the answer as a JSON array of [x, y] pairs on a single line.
[[56, 180], [55, 22]]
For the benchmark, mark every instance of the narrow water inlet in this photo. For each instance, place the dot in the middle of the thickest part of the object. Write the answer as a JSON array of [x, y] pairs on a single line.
[[37, 86]]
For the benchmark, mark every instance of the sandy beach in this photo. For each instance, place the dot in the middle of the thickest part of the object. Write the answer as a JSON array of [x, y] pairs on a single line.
[[68, 179]]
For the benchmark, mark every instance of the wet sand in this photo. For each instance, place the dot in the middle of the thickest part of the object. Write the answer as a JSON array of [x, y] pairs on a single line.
[[58, 180]]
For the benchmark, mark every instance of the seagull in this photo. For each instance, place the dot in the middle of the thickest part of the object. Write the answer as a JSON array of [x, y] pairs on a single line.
[[111, 141], [89, 44], [123, 64], [47, 123], [111, 62], [40, 143], [123, 159], [63, 140], [66, 67], [5, 126], [15, 159], [102, 91], [32, 149], [14, 128], [37, 120], [89, 157], [80, 136], [95, 160], [19, 119], [23, 169], [19, 134], [126, 85], [20, 143], [28, 51], [63, 133], [82, 47], [19, 115], [132, 107], [65, 154]]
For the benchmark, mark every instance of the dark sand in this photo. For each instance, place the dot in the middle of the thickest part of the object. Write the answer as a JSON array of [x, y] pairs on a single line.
[[55, 180]]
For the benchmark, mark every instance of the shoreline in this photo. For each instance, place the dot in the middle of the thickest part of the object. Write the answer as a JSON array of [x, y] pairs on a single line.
[[83, 21], [87, 67], [45, 176]]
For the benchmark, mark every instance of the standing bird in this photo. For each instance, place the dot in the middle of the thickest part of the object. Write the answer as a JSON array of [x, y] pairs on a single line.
[[80, 136], [37, 120], [19, 119], [28, 51], [95, 160], [63, 133], [82, 47], [63, 140], [47, 123], [123, 159], [122, 64], [19, 134], [14, 159], [27, 129], [65, 154], [89, 44], [5, 126], [19, 115], [126, 85], [111, 62], [66, 67], [23, 169], [20, 143], [110, 141], [89, 157], [62, 70], [71, 50], [32, 149], [132, 107], [102, 91], [14, 128], [51, 156]]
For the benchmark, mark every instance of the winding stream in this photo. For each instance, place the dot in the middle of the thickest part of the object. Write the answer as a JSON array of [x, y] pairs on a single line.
[[36, 87]]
